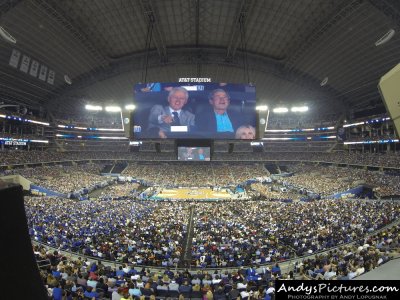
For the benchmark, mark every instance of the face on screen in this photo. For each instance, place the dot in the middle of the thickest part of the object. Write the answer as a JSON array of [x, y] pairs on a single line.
[[220, 101], [246, 133], [206, 111], [177, 100]]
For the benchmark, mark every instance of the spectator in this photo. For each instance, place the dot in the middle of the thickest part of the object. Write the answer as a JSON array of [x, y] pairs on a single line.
[[162, 118]]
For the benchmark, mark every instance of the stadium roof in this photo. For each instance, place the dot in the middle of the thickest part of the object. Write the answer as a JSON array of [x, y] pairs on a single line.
[[285, 47]]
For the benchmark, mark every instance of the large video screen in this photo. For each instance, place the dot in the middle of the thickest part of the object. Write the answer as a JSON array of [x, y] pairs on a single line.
[[194, 153], [194, 111]]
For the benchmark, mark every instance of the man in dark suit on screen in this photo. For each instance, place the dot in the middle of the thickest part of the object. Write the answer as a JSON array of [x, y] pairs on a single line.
[[219, 120], [162, 118]]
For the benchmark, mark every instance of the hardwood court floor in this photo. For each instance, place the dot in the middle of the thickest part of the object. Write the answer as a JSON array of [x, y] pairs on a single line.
[[187, 193]]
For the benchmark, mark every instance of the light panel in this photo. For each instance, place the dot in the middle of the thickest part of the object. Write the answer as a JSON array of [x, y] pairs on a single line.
[[130, 106], [299, 108], [280, 110], [113, 108], [93, 107], [262, 107]]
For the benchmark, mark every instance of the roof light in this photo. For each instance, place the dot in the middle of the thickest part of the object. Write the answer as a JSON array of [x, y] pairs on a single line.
[[262, 107], [130, 107], [280, 110], [93, 107], [299, 108], [39, 141], [113, 108]]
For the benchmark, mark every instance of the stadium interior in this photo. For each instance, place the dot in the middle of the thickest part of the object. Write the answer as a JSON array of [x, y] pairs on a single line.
[[119, 185]]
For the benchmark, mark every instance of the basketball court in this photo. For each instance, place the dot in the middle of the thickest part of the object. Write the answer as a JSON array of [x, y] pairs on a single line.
[[193, 193]]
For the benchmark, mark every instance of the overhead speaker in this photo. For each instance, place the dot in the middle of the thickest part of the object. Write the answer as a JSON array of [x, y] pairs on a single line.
[[6, 36], [389, 88], [324, 81], [385, 38], [67, 79]]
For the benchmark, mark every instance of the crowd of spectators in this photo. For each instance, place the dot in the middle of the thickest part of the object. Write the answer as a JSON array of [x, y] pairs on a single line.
[[77, 277], [274, 192], [350, 261], [98, 120], [119, 191], [227, 233], [27, 157], [25, 136], [328, 180], [302, 121], [389, 160], [80, 278], [138, 232], [93, 145], [63, 179], [313, 146], [244, 233], [320, 179], [323, 180]]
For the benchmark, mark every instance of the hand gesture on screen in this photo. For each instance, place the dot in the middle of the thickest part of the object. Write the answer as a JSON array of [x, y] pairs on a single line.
[[168, 119], [162, 134]]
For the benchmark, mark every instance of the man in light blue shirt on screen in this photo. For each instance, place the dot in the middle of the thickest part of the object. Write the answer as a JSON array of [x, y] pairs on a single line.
[[223, 123], [219, 120]]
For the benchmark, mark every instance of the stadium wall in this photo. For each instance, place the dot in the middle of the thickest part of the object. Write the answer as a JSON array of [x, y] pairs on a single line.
[[17, 179]]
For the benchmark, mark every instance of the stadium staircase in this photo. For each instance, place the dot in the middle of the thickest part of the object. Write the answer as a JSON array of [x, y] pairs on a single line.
[[332, 147], [43, 264], [118, 168], [106, 169], [186, 256], [272, 168], [283, 169]]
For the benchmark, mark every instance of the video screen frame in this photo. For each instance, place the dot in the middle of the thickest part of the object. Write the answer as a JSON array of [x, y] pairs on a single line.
[[190, 153], [199, 115]]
